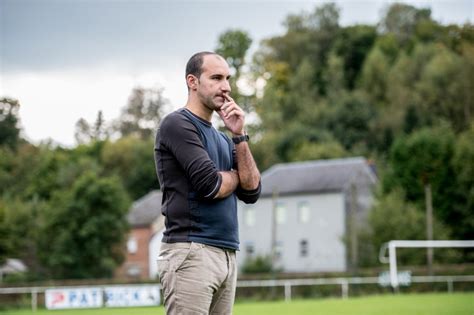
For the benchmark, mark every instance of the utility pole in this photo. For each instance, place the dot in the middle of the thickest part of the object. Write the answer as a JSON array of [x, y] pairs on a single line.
[[274, 235], [353, 229], [429, 226]]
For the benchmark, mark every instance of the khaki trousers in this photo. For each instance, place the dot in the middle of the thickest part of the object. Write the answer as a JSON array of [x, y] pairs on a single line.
[[197, 278]]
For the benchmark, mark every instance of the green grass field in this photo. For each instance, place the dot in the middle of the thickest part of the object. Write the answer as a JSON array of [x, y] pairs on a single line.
[[414, 304]]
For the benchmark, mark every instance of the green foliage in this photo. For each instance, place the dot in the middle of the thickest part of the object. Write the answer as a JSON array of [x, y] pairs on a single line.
[[353, 45], [423, 158], [5, 236], [439, 87], [85, 228], [18, 168], [142, 114], [24, 220], [9, 130], [348, 122], [393, 218], [86, 133], [132, 160], [402, 20], [374, 76], [45, 213], [463, 163], [44, 182], [329, 149], [233, 45], [259, 264], [140, 117]]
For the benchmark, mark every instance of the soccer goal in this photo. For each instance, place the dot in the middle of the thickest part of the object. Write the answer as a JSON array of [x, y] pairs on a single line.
[[392, 252]]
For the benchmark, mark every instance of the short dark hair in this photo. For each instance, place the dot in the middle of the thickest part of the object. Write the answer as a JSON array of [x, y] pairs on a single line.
[[194, 65]]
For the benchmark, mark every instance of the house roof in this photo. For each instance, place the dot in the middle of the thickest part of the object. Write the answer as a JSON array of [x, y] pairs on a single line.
[[145, 210], [317, 176]]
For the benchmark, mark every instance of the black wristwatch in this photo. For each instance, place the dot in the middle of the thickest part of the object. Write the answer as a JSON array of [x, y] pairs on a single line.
[[239, 139]]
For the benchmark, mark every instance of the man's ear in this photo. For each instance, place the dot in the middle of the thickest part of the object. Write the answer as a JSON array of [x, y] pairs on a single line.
[[192, 81]]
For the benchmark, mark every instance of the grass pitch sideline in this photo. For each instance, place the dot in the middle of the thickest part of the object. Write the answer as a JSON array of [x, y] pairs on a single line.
[[412, 304]]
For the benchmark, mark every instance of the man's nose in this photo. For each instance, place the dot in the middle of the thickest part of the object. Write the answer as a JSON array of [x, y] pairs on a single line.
[[226, 86]]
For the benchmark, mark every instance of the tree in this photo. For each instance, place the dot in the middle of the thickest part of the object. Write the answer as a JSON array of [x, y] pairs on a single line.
[[83, 132], [233, 46], [402, 20], [462, 210], [20, 225], [44, 181], [445, 86], [374, 76], [405, 106], [353, 46], [143, 112], [406, 222], [468, 80], [421, 164], [334, 76], [100, 129], [9, 130], [309, 37], [349, 122], [27, 171], [5, 235], [328, 149], [131, 158], [86, 132], [85, 228]]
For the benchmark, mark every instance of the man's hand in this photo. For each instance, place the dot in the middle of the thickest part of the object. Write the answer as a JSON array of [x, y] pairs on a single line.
[[232, 115], [230, 181]]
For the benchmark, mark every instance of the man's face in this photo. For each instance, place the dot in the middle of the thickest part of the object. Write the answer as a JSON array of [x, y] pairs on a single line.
[[213, 82]]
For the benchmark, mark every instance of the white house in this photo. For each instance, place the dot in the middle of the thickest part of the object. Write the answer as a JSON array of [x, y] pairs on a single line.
[[306, 212]]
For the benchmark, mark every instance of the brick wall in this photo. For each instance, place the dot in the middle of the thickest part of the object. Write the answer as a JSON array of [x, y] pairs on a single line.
[[136, 264]]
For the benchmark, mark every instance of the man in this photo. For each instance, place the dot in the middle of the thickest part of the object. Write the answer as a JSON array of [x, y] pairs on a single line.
[[201, 173]]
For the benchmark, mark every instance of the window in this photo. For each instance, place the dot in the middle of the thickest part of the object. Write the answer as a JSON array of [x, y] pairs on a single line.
[[303, 248], [134, 271], [280, 213], [249, 216], [132, 245], [249, 249], [304, 214], [278, 249]]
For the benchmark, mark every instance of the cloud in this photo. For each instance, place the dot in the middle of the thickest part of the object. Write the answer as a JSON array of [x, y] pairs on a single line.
[[52, 102]]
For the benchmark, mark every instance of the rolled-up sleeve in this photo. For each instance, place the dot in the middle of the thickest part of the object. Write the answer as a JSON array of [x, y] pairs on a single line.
[[249, 196], [182, 139]]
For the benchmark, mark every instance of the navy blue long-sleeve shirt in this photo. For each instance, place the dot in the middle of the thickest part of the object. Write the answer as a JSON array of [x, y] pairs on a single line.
[[189, 153]]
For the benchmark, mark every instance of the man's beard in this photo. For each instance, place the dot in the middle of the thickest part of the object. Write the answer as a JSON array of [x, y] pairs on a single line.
[[210, 102]]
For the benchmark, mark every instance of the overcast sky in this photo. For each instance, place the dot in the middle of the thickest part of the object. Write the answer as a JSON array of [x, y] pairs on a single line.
[[64, 60]]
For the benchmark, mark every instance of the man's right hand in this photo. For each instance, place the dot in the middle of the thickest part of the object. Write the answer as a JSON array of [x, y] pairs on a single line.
[[232, 115]]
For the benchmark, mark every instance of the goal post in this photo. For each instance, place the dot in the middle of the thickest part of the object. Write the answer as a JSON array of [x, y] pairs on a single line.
[[392, 252]]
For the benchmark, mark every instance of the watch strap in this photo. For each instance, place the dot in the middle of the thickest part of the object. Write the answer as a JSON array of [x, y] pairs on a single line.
[[239, 139]]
